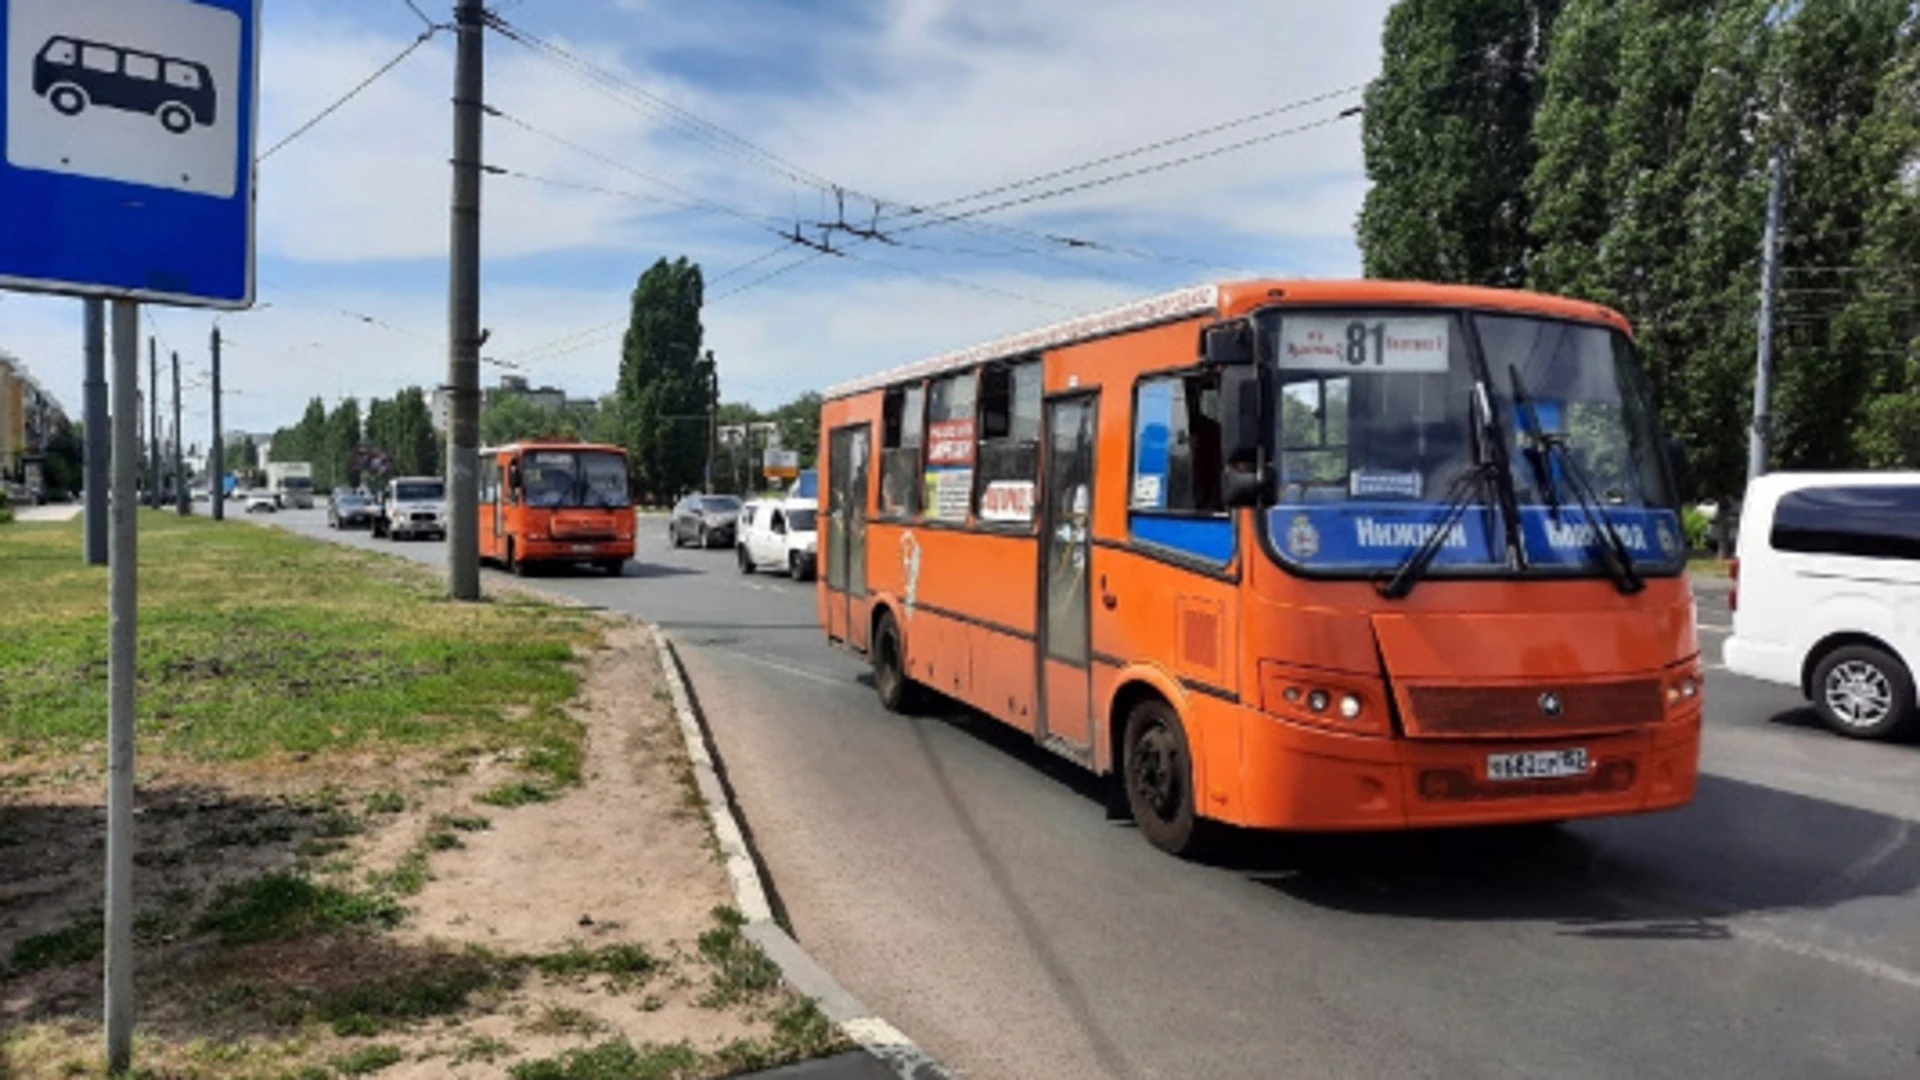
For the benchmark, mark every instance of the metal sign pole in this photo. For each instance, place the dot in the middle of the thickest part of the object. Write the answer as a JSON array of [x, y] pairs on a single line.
[[122, 643]]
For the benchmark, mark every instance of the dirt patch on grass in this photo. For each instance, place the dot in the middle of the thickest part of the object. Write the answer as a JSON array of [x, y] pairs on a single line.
[[389, 911]]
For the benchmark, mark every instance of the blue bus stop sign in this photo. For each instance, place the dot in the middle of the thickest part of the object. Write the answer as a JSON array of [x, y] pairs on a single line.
[[128, 134]]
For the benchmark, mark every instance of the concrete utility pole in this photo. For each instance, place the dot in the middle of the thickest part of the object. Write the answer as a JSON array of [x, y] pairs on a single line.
[[217, 459], [99, 440], [463, 309], [153, 423], [1761, 435], [182, 498], [122, 644]]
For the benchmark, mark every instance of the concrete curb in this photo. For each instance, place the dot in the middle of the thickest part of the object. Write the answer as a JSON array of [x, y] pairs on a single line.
[[877, 1037]]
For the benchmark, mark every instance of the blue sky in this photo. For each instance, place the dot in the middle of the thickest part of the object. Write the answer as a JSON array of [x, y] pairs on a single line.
[[744, 116]]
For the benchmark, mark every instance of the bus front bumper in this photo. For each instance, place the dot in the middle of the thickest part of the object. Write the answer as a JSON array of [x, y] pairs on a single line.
[[550, 550], [1300, 777]]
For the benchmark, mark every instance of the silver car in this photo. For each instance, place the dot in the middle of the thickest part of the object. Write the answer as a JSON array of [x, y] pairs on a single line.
[[708, 520]]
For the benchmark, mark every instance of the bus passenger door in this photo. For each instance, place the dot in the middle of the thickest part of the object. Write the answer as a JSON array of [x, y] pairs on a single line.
[[1066, 674], [846, 529]]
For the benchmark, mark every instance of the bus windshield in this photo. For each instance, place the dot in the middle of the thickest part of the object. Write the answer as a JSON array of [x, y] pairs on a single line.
[[574, 478], [1378, 420]]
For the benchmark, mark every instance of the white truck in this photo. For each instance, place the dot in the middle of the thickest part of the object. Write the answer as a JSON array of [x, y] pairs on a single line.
[[291, 483], [413, 507]]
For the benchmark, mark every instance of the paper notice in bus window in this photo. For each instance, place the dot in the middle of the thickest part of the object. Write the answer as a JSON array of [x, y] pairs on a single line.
[[1146, 490], [1007, 500], [1389, 485], [947, 493], [950, 442], [1360, 343]]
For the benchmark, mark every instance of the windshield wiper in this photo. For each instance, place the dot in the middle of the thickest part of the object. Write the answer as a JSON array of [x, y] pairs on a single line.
[[1543, 448], [1470, 482]]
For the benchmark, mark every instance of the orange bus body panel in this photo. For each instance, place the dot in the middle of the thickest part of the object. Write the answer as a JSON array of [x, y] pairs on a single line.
[[1223, 646]]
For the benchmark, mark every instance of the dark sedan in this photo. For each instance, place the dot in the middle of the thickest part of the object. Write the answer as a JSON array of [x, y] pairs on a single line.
[[706, 520], [350, 508]]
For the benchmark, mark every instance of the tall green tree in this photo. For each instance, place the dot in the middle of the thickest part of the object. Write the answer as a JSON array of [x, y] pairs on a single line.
[[1884, 314], [1834, 60], [1447, 136], [665, 380], [507, 417], [343, 435]]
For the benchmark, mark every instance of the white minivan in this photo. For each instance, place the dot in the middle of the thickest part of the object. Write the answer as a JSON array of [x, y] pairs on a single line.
[[1826, 595], [778, 535]]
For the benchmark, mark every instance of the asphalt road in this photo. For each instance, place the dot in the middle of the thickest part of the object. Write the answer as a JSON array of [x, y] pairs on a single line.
[[971, 890]]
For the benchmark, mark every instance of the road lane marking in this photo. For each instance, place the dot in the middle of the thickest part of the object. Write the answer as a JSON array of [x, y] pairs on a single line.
[[1715, 628], [797, 672]]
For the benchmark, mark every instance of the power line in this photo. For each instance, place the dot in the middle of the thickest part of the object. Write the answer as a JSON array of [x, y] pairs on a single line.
[[1145, 170], [1147, 148], [621, 88], [587, 151], [425, 36], [415, 8]]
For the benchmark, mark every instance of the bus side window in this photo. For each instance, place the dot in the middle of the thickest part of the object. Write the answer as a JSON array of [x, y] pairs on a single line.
[[184, 76], [143, 67], [513, 483], [1177, 453], [1009, 456], [97, 58], [951, 434], [60, 51], [902, 425]]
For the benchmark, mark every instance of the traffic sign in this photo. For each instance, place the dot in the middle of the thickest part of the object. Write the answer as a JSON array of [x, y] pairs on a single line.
[[128, 133]]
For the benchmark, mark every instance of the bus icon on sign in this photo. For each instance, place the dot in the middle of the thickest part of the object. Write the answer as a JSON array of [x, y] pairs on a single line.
[[75, 75]]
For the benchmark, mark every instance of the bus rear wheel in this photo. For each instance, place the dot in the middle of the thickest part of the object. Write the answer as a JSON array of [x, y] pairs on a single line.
[[1157, 770], [176, 118], [898, 692]]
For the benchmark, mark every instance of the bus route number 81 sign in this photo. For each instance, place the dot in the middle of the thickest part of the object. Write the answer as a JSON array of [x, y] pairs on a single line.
[[1360, 342]]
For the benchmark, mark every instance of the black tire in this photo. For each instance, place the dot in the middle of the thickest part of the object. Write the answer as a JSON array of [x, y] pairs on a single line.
[[705, 541], [1157, 770], [898, 692], [68, 99], [797, 567], [614, 567], [1864, 692], [745, 560], [175, 117]]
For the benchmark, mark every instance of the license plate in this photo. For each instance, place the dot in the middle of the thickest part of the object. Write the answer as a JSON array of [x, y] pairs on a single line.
[[1537, 764], [583, 549]]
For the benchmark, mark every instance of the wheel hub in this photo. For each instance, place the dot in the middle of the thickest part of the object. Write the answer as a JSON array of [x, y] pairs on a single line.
[[1154, 770], [1859, 694]]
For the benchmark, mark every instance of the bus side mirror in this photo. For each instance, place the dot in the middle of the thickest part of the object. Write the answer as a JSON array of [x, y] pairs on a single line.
[[1227, 344], [1244, 480]]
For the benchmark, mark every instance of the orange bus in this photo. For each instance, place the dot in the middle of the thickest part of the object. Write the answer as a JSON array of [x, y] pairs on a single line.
[[1286, 554], [555, 502]]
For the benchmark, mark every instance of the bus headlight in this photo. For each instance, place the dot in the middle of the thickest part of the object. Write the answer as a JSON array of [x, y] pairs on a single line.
[[1349, 706], [1317, 700]]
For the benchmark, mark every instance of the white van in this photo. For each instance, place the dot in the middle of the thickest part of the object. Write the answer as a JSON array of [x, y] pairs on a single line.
[[779, 535], [1827, 595]]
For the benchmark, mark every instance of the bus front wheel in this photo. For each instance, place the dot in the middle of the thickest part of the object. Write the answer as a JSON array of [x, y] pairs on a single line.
[[69, 99], [897, 691], [1157, 769]]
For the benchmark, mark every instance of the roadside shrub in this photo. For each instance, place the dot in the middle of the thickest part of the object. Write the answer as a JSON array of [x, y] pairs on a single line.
[[1698, 527]]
